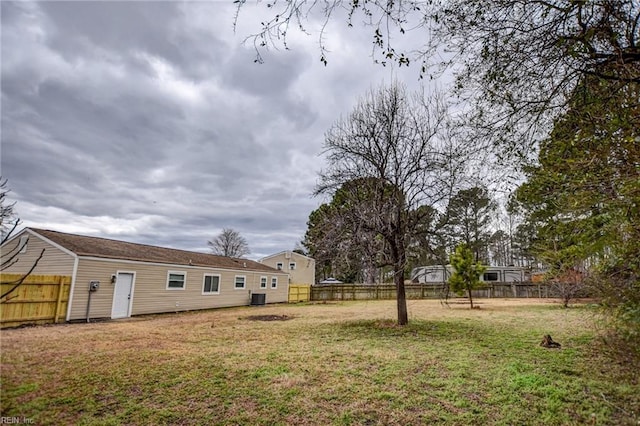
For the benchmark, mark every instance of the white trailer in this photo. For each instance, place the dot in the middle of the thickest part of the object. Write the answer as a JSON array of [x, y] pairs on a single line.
[[439, 274]]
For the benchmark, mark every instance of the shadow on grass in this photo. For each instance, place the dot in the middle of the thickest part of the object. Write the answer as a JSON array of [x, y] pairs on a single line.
[[432, 330], [482, 339], [506, 366]]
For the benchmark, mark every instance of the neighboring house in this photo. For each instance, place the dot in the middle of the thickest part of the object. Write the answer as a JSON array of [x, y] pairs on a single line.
[[301, 268], [139, 279], [438, 274]]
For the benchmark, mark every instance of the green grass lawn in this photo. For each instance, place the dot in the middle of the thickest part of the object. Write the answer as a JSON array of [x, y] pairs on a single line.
[[344, 363]]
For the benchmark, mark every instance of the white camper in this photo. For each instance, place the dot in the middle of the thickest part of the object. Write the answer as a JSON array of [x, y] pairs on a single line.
[[438, 274]]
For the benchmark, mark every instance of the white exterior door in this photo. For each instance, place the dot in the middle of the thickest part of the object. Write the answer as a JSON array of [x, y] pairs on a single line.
[[122, 295]]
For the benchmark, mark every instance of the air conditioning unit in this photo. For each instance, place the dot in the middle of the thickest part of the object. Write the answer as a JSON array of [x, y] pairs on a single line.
[[258, 299]]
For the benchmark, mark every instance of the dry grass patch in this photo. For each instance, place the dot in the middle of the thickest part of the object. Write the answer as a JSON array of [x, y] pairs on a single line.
[[345, 363]]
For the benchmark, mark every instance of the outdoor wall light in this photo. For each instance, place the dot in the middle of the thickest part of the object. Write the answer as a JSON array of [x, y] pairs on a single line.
[[113, 279]]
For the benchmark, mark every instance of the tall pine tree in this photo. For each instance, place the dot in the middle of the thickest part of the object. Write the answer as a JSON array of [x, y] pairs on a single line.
[[583, 198]]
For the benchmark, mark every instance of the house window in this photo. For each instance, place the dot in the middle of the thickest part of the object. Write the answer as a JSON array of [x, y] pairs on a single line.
[[211, 284], [490, 276], [274, 282], [279, 266], [292, 266], [263, 282], [239, 282], [176, 280]]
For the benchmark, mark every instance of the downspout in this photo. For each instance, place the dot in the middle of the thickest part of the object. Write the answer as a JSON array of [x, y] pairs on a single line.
[[73, 286], [89, 304]]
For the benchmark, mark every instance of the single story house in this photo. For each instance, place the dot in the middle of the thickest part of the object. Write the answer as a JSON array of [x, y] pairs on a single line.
[[301, 268], [134, 279]]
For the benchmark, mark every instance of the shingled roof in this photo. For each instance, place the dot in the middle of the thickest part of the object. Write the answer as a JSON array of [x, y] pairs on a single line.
[[114, 249]]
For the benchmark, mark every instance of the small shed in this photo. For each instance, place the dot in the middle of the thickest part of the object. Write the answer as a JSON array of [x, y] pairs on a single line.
[[132, 279]]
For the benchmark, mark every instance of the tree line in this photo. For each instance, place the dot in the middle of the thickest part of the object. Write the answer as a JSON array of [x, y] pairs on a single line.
[[496, 235], [551, 91]]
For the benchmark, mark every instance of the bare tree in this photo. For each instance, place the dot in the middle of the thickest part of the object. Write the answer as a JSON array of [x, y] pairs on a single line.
[[229, 243], [516, 61], [8, 224], [389, 149], [8, 221]]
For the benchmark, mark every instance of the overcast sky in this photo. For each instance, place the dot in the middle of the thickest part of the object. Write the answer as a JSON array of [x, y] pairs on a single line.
[[150, 122]]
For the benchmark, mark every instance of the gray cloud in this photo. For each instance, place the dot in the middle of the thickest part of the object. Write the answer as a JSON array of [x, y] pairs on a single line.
[[150, 122]]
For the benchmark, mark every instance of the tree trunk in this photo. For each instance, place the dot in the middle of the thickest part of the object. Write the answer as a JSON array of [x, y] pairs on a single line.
[[399, 259], [401, 299], [470, 298]]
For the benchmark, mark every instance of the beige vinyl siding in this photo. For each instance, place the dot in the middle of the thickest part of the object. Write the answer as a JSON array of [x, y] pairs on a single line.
[[304, 272], [53, 262], [150, 293], [101, 300]]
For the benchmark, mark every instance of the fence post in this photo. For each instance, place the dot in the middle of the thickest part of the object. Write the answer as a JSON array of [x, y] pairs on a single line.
[[59, 301]]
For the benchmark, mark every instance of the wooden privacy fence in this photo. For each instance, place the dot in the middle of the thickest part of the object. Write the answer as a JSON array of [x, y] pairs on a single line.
[[40, 299], [299, 293], [426, 291]]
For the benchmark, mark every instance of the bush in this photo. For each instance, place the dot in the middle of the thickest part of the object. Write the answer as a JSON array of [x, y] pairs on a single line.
[[618, 289]]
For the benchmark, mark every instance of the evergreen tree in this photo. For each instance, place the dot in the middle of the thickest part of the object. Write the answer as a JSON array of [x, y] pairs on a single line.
[[468, 216], [583, 199], [335, 237], [466, 272]]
